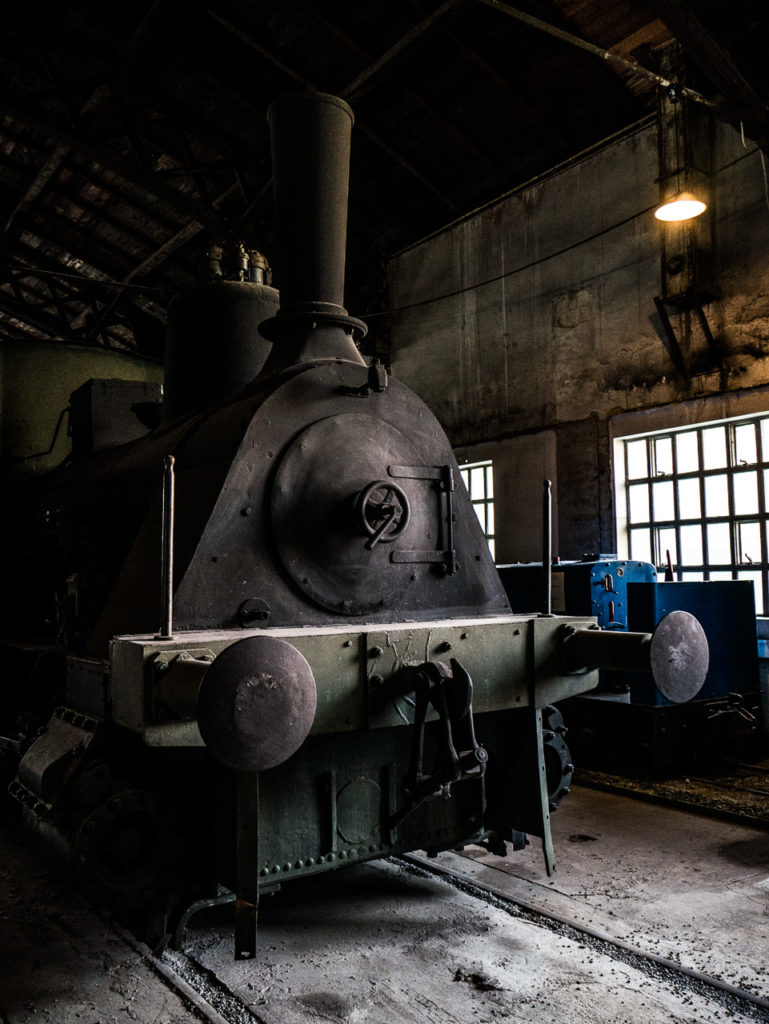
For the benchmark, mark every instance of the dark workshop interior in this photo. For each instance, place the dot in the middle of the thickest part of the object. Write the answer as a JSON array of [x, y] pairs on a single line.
[[384, 440]]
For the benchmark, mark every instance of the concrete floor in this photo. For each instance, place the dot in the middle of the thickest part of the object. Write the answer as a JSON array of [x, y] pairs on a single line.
[[377, 944], [683, 886], [59, 962]]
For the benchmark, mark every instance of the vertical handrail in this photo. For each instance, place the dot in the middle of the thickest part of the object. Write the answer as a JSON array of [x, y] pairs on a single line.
[[167, 557], [547, 548]]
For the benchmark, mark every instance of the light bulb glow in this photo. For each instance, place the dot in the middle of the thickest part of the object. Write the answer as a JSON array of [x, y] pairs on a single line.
[[683, 207]]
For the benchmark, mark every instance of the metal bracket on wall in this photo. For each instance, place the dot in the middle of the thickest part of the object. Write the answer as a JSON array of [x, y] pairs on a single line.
[[674, 349], [707, 332]]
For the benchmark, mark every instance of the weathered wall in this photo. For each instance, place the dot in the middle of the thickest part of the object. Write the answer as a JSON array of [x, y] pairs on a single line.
[[538, 313], [521, 464]]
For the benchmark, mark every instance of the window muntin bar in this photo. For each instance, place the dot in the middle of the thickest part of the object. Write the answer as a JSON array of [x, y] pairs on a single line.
[[701, 494], [479, 481]]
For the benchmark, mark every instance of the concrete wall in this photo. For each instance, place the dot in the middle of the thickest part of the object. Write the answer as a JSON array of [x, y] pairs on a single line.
[[537, 314], [521, 464], [36, 380]]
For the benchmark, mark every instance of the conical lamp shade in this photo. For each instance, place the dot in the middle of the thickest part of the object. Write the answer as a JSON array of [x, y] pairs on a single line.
[[683, 207]]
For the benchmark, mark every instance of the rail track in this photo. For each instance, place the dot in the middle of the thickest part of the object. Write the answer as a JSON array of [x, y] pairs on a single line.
[[210, 1000], [733, 999], [734, 791], [207, 998], [758, 769]]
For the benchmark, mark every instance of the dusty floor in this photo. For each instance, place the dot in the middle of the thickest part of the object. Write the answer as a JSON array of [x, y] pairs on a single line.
[[378, 944], [683, 886], [388, 947], [59, 962]]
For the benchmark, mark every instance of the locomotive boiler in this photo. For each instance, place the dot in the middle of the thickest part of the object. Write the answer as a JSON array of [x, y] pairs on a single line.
[[276, 641]]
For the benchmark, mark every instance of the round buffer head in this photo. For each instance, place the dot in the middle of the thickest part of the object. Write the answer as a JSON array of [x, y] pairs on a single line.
[[256, 704], [679, 656]]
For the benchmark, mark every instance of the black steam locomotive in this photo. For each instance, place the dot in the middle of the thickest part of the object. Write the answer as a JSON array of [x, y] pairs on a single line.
[[268, 640]]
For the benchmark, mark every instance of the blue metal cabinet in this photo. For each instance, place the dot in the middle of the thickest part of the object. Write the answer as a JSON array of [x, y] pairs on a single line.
[[596, 587], [726, 611]]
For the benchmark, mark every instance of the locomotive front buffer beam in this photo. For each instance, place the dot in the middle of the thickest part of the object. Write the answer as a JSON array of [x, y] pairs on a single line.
[[457, 674], [346, 745]]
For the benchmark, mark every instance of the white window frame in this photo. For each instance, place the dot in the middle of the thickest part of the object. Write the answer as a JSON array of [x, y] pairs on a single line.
[[722, 514], [478, 478]]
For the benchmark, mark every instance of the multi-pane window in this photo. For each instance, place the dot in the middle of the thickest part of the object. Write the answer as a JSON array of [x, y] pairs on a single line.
[[697, 499], [479, 481]]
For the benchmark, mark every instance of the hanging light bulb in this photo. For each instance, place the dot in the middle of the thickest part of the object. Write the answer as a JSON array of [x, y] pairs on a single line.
[[684, 206]]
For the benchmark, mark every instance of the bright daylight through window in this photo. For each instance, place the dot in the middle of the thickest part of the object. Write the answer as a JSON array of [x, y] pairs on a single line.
[[479, 481], [696, 499]]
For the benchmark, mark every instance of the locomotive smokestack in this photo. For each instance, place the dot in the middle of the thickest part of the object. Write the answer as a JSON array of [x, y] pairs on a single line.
[[310, 137]]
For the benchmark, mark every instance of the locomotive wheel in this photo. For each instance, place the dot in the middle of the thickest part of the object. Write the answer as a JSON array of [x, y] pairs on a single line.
[[122, 851], [558, 766]]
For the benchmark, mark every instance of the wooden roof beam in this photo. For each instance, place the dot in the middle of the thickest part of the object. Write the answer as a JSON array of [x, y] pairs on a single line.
[[743, 102], [503, 86], [396, 49], [418, 100], [157, 190], [372, 136], [38, 318], [95, 104]]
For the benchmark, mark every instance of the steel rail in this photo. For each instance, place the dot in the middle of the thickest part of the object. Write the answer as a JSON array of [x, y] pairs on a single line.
[[675, 802], [637, 957], [751, 769], [189, 995], [236, 1012], [730, 787]]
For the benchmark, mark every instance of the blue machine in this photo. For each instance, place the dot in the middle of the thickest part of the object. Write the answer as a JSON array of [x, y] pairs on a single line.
[[627, 724], [595, 586], [726, 611]]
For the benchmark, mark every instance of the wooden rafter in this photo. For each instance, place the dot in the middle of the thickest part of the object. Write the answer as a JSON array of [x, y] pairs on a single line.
[[362, 128], [151, 186], [743, 100], [418, 101]]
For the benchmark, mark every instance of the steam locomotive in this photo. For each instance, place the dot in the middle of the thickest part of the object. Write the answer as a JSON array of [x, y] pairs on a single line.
[[268, 640]]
